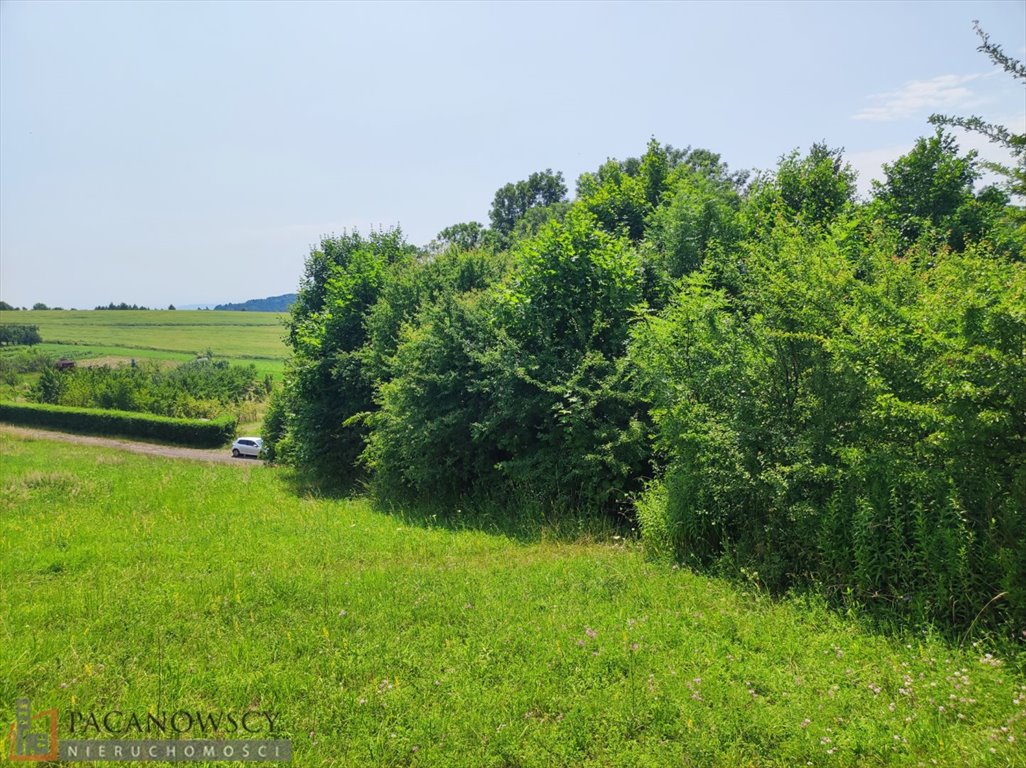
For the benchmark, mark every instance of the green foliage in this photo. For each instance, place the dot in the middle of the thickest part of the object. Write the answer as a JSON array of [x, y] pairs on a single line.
[[51, 386], [514, 200], [813, 191], [121, 306], [95, 421], [699, 220], [929, 192], [560, 410], [465, 236], [15, 334], [617, 199], [860, 432], [786, 383], [201, 388], [426, 439], [329, 387], [23, 360]]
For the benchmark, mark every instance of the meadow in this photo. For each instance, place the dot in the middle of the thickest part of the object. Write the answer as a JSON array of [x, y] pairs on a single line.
[[399, 638], [254, 337]]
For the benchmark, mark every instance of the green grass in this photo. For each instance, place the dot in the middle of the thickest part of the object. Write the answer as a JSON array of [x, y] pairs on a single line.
[[123, 355], [243, 335], [134, 583]]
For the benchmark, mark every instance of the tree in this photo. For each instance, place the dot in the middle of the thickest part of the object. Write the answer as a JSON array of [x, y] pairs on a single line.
[[329, 389], [812, 190], [39, 306], [170, 306], [512, 201], [930, 190], [699, 216], [5, 307], [51, 385], [464, 236]]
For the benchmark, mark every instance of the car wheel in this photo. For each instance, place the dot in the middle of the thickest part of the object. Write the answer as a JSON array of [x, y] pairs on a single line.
[[235, 453]]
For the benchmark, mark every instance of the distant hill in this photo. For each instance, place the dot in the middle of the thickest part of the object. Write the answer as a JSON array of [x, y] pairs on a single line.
[[270, 304]]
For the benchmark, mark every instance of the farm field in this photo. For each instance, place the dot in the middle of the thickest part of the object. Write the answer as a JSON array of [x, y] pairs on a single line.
[[393, 638], [245, 336]]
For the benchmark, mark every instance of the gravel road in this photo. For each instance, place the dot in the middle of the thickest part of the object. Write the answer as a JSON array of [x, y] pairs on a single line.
[[215, 455]]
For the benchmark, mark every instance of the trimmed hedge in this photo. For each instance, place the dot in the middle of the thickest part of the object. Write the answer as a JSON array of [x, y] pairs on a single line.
[[192, 432]]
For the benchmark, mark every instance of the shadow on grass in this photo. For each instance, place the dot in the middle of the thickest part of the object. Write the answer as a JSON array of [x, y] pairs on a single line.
[[525, 519], [501, 511]]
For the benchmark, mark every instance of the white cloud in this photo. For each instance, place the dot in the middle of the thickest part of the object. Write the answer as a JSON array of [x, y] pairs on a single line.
[[918, 97]]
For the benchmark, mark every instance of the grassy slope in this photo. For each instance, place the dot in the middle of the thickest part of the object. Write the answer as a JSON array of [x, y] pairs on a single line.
[[134, 583]]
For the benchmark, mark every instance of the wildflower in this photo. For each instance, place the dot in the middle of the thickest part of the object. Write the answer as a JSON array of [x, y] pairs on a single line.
[[590, 632], [634, 647], [804, 723]]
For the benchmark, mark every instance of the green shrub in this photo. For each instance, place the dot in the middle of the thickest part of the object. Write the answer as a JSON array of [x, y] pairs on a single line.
[[193, 432], [426, 437], [866, 432], [200, 388], [11, 333]]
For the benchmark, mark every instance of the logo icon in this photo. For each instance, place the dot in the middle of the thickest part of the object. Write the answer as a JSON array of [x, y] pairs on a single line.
[[28, 745]]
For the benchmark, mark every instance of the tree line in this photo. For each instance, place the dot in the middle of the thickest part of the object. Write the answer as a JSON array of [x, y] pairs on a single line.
[[767, 373]]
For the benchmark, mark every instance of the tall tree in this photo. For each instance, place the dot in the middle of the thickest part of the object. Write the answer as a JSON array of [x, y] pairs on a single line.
[[513, 200], [930, 189]]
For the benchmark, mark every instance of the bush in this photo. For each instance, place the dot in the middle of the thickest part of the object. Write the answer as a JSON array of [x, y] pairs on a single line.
[[196, 389], [425, 438], [863, 432], [11, 333], [192, 432]]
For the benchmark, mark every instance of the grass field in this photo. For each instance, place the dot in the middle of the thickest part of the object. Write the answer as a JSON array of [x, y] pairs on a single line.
[[246, 336], [397, 640]]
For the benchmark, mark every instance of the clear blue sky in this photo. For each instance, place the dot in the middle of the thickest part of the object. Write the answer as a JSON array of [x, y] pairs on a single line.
[[192, 152]]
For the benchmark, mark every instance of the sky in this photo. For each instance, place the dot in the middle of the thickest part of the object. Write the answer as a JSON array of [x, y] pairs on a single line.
[[188, 152]]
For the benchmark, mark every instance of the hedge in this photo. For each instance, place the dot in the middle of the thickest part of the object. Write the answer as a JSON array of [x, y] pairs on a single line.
[[193, 432]]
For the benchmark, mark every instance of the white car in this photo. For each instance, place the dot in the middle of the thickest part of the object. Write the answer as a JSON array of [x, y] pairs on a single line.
[[247, 446]]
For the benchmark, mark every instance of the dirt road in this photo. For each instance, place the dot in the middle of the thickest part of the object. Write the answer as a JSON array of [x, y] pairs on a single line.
[[217, 455]]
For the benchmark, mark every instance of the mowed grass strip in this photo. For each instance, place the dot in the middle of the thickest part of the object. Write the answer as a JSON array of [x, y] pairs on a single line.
[[137, 584], [227, 334]]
